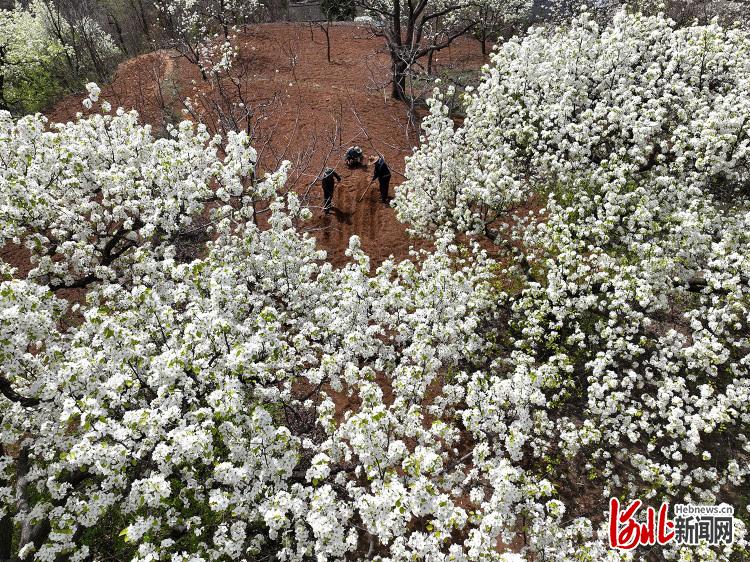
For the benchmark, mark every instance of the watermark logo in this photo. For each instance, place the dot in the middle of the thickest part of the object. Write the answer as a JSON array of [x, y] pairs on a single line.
[[692, 525], [626, 533]]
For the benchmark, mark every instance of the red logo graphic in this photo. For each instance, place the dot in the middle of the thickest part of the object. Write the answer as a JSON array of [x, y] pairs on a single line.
[[626, 533]]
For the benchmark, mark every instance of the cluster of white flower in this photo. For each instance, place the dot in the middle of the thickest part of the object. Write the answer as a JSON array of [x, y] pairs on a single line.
[[196, 26], [217, 57], [26, 51], [254, 400], [34, 39], [612, 165], [249, 400], [83, 196]]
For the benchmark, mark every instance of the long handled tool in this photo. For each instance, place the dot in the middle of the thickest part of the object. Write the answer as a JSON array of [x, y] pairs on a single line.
[[369, 185]]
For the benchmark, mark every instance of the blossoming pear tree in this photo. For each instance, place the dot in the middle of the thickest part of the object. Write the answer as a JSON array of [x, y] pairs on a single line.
[[611, 167], [638, 96], [27, 52], [193, 26], [248, 402], [84, 196]]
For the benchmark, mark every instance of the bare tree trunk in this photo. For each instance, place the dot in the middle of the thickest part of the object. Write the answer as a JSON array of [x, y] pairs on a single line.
[[6, 531], [142, 17], [115, 24], [3, 103], [6, 537], [326, 29], [399, 80], [328, 42], [99, 67]]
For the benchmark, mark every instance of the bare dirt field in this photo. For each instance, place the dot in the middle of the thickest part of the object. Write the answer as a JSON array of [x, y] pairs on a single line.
[[309, 112]]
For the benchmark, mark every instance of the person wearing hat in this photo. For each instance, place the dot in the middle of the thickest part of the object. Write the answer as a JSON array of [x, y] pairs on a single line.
[[328, 184], [383, 174]]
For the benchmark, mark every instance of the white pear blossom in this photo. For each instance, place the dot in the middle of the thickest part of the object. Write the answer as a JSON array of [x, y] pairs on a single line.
[[610, 167], [240, 398]]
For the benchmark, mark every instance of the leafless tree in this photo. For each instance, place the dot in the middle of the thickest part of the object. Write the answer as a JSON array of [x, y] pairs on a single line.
[[412, 31]]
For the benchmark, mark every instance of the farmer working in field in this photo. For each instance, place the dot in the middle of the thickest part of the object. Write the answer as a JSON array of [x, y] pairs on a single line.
[[327, 180], [383, 174], [354, 157]]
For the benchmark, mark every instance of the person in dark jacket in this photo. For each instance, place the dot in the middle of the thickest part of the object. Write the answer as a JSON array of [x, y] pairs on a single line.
[[328, 184], [383, 174], [354, 157]]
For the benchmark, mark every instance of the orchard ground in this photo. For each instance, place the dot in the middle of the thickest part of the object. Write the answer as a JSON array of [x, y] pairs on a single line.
[[311, 110]]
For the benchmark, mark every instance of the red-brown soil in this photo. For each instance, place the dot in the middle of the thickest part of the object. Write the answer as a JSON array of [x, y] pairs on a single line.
[[312, 111]]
